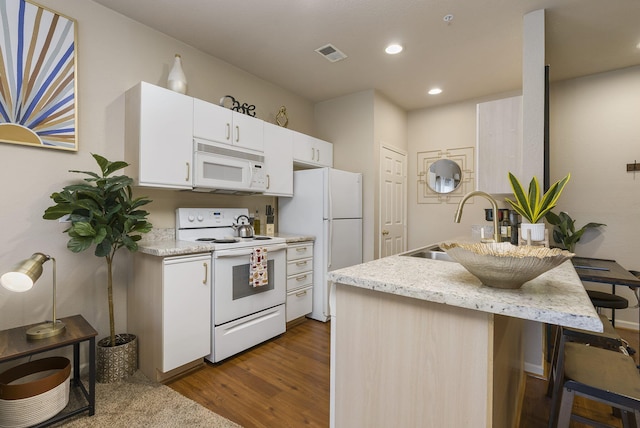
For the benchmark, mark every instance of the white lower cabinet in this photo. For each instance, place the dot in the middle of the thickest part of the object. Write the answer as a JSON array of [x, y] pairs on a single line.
[[169, 309], [299, 280]]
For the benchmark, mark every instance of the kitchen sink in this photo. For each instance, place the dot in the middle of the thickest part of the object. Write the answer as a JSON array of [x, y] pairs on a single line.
[[434, 253]]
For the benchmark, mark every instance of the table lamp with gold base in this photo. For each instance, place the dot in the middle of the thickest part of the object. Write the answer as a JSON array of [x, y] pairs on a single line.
[[21, 278]]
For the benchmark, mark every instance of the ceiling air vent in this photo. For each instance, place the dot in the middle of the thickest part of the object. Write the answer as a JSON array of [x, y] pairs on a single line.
[[331, 53]]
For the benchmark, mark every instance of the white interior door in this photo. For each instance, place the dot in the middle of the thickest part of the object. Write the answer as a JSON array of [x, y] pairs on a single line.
[[393, 201]]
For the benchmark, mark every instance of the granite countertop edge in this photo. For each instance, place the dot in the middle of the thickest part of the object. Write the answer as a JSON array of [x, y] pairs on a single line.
[[556, 297], [166, 247]]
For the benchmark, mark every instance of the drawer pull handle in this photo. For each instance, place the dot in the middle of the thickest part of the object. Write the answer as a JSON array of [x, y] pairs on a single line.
[[188, 172], [301, 293], [301, 263], [301, 249], [301, 278]]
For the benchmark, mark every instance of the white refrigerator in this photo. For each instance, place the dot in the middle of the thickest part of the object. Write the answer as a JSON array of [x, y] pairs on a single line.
[[326, 203]]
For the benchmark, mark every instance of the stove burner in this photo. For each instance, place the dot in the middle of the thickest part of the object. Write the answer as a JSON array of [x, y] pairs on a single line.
[[217, 241], [262, 238]]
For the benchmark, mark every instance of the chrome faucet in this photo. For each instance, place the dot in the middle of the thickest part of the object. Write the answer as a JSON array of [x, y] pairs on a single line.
[[494, 205]]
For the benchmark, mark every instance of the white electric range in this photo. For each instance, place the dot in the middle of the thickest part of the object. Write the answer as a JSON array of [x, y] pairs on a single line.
[[243, 315]]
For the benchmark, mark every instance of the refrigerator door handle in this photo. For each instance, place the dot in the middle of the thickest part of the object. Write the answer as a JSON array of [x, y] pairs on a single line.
[[329, 243]]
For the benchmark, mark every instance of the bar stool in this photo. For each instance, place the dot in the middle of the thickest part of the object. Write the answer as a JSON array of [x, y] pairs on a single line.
[[602, 375], [580, 367], [608, 339], [608, 300]]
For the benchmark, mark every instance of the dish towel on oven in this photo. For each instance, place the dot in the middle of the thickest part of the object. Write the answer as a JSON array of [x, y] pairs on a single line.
[[258, 267]]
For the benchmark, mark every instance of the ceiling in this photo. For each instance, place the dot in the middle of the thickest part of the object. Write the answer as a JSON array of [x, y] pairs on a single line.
[[478, 53]]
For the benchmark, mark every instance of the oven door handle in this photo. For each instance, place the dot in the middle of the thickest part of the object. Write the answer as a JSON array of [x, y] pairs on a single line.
[[218, 254]]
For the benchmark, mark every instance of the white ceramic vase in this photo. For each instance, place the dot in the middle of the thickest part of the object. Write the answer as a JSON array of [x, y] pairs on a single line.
[[533, 230], [177, 81]]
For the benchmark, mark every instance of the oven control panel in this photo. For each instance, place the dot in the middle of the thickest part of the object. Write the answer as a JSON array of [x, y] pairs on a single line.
[[187, 218]]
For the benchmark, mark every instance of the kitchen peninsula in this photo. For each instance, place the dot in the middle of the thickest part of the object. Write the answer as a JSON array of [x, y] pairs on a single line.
[[420, 342]]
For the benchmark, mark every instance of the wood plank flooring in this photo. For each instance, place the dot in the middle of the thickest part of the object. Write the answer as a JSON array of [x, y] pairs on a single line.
[[285, 383], [282, 383]]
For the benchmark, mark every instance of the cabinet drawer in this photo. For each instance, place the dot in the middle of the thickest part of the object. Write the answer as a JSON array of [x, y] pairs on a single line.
[[297, 252], [298, 266], [299, 303], [300, 280]]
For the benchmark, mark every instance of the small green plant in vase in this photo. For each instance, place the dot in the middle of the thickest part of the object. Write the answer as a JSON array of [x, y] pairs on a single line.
[[532, 205], [564, 229]]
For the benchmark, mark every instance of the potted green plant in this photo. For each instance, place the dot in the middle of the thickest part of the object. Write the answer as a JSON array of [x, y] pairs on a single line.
[[564, 229], [103, 212], [534, 206]]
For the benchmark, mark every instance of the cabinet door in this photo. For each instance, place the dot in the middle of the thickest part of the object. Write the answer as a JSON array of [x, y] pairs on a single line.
[[186, 310], [164, 137], [220, 124], [248, 132], [324, 152], [499, 144], [212, 122], [278, 160], [311, 151]]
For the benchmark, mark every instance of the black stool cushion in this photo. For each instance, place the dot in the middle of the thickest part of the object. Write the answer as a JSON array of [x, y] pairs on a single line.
[[607, 300]]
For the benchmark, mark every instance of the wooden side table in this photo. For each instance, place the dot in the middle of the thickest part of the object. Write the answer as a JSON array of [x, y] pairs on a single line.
[[14, 344]]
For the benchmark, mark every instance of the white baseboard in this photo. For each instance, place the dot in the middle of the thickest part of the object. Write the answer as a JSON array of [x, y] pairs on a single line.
[[627, 325], [534, 369]]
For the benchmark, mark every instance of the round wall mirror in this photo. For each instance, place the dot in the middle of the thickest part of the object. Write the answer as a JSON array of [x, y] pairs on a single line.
[[444, 176]]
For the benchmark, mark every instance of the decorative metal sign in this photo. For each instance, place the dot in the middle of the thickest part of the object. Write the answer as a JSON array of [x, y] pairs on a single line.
[[281, 118], [243, 108]]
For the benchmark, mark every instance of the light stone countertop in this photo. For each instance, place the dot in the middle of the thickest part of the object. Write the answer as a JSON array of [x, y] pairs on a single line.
[[162, 243], [555, 297]]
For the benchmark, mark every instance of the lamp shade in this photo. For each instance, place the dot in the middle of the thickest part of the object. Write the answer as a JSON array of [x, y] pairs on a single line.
[[24, 274], [21, 278]]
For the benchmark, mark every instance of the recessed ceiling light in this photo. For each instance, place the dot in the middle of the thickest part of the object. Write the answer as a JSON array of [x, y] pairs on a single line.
[[393, 49], [434, 91]]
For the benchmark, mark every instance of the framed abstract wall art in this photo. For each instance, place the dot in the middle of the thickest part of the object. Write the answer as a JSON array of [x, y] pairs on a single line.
[[38, 101]]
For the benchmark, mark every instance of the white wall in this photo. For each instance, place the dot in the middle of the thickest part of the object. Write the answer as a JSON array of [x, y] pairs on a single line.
[[114, 53], [594, 133], [348, 123], [358, 124], [448, 127]]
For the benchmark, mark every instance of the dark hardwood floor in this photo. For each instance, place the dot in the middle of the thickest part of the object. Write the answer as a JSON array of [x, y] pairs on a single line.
[[285, 383]]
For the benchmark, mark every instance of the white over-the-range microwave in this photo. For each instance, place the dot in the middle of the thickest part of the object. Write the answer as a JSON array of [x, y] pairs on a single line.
[[222, 168]]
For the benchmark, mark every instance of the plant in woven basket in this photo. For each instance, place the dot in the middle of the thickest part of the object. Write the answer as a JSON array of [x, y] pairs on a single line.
[[564, 229], [103, 213]]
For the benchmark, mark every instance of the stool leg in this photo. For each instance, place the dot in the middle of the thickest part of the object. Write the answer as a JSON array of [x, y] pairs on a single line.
[[627, 422], [566, 406]]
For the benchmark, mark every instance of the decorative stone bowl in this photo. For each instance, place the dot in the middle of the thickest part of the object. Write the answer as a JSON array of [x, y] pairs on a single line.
[[502, 265]]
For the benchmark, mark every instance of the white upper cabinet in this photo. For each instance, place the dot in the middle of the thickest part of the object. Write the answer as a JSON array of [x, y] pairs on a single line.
[[499, 144], [158, 136], [278, 160], [220, 124], [310, 151]]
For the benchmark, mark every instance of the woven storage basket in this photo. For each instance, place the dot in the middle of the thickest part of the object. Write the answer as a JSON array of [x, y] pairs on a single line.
[[34, 392]]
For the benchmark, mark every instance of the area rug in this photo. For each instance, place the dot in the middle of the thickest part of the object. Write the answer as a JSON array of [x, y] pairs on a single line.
[[138, 402]]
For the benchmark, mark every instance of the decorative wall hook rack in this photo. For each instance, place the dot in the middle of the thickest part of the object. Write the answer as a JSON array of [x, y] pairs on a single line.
[[633, 167]]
